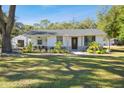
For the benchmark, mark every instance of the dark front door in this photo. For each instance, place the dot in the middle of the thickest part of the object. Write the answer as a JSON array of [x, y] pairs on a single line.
[[74, 42]]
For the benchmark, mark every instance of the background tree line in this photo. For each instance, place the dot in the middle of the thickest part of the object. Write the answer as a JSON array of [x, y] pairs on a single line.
[[45, 24]]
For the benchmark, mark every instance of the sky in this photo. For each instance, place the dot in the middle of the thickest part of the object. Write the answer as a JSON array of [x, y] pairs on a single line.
[[30, 14]]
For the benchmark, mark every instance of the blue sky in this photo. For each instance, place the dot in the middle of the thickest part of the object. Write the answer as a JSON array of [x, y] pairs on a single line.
[[29, 14]]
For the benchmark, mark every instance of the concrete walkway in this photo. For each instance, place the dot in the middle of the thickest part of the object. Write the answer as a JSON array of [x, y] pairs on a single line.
[[85, 53], [79, 53]]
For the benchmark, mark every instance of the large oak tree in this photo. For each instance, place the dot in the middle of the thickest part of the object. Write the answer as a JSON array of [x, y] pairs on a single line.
[[6, 25]]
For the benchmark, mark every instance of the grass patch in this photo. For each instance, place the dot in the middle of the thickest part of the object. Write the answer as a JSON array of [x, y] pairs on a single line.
[[63, 71]]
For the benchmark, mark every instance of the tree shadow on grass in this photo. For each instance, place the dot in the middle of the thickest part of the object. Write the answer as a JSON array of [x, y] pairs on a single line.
[[84, 77], [85, 82]]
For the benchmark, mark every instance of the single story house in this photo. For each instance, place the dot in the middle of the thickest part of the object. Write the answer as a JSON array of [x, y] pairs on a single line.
[[75, 39]]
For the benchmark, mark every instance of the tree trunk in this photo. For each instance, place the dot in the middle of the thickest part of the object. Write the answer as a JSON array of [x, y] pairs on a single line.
[[6, 43], [6, 28]]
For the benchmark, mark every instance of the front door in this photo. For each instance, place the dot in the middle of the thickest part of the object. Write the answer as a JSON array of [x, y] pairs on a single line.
[[74, 42]]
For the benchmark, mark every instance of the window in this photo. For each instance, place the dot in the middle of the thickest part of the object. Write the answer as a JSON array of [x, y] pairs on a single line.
[[20, 43], [88, 39], [59, 38], [39, 42]]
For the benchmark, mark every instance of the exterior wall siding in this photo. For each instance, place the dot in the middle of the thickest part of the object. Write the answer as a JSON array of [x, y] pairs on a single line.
[[100, 39], [21, 37], [51, 40], [79, 43], [34, 40], [65, 41]]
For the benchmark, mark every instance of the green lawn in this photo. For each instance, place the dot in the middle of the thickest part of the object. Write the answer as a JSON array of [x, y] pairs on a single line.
[[63, 71]]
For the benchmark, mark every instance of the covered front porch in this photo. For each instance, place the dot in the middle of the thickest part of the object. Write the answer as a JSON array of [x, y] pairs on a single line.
[[48, 42], [39, 41]]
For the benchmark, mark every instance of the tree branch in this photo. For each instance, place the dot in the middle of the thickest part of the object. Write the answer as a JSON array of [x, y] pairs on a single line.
[[11, 18], [2, 21]]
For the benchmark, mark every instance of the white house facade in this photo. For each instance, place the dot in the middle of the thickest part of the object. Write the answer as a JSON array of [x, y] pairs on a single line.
[[72, 39]]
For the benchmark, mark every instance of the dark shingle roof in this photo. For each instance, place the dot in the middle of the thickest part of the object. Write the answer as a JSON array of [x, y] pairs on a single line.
[[67, 32]]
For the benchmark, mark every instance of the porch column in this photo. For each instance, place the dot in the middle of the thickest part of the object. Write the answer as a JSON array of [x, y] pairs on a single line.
[[67, 41], [83, 42]]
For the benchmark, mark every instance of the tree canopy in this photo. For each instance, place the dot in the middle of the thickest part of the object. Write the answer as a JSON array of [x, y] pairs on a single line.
[[112, 21]]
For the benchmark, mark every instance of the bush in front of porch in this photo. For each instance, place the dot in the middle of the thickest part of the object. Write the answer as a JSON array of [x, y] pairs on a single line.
[[57, 49], [96, 48], [28, 49]]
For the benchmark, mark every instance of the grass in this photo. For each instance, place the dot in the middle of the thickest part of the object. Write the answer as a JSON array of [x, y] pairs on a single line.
[[63, 71]]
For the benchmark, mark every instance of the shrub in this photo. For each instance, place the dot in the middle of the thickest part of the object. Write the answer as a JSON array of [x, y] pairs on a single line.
[[25, 50], [58, 48], [36, 51], [58, 51], [89, 51], [95, 47], [58, 45], [64, 51], [98, 52], [103, 51], [28, 49]]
